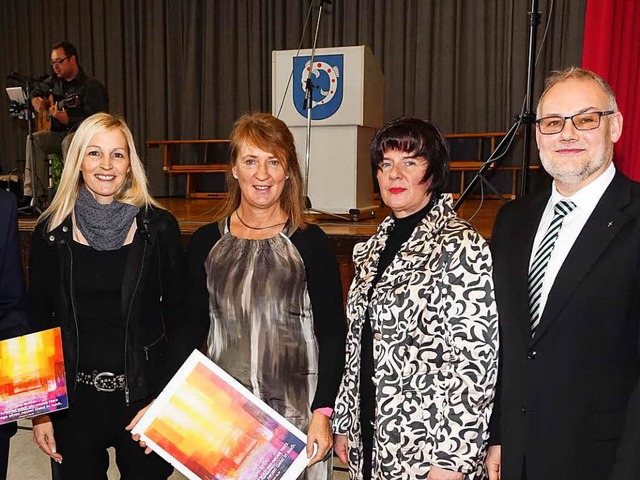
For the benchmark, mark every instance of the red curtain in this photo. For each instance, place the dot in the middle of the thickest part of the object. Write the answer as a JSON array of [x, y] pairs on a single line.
[[611, 48]]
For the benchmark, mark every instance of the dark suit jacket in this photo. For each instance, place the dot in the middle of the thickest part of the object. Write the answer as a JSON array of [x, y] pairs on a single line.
[[569, 401], [13, 310]]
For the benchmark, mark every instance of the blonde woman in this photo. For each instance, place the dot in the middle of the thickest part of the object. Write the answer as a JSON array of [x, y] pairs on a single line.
[[107, 266]]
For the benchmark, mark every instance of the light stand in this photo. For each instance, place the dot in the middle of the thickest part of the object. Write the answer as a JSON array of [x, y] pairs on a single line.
[[496, 155], [527, 118]]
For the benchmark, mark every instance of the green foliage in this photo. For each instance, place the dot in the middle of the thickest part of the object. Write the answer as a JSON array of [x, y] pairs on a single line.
[[56, 169]]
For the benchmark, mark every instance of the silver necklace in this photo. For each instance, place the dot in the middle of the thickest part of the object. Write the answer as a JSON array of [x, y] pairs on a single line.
[[257, 228]]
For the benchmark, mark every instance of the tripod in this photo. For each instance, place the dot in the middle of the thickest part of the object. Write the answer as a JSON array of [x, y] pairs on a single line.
[[527, 119]]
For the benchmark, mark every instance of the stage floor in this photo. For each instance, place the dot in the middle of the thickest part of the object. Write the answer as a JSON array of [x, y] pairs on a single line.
[[193, 213], [343, 234]]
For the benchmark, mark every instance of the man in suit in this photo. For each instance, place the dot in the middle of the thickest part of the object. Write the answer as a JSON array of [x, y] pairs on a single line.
[[13, 310], [567, 280]]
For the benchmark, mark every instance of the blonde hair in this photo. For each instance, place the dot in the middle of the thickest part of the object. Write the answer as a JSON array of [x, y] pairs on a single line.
[[268, 133], [134, 191]]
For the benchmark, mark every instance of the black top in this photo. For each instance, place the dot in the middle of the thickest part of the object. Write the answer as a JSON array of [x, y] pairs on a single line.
[[325, 293], [97, 285], [402, 230], [92, 98], [159, 336]]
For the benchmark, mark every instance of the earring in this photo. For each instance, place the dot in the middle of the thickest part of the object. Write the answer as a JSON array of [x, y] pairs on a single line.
[[287, 177], [235, 176]]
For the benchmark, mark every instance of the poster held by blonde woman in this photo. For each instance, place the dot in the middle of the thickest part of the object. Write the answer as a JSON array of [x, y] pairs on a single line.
[[107, 266]]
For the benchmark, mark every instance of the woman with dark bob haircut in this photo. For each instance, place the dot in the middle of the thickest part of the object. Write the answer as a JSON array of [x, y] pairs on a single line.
[[422, 341], [422, 139]]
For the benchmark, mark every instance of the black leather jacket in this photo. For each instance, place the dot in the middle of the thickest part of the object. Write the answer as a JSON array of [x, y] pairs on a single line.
[[152, 292]]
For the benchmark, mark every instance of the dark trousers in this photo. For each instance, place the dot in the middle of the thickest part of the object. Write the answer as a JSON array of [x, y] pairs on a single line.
[[6, 432], [366, 425], [4, 455], [94, 422], [367, 458]]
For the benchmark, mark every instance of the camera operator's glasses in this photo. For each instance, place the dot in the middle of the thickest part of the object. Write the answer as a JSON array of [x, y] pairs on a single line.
[[58, 61], [582, 121]]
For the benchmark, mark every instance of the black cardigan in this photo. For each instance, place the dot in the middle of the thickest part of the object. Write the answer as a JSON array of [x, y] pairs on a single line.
[[325, 293]]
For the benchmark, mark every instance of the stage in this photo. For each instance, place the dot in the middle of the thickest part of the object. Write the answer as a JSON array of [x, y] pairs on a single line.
[[194, 213], [343, 234]]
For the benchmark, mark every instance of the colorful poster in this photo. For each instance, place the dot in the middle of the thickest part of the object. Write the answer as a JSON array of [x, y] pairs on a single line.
[[32, 378], [208, 426]]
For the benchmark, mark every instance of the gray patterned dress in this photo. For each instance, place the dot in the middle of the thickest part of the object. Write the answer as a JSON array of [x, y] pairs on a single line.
[[261, 329]]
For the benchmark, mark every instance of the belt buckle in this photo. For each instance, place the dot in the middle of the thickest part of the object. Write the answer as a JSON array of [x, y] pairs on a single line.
[[100, 376]]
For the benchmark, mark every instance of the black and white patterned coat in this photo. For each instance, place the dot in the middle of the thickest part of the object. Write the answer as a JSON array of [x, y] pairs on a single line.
[[435, 327]]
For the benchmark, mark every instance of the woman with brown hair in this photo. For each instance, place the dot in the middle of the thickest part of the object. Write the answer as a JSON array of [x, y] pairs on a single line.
[[267, 284]]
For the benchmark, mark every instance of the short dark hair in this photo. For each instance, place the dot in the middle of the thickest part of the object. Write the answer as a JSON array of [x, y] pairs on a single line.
[[69, 49], [419, 138]]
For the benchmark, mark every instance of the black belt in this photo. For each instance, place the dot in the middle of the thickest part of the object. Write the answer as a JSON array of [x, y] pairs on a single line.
[[102, 381]]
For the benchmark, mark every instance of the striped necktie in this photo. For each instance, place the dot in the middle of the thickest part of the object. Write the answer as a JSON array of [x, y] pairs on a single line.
[[541, 260]]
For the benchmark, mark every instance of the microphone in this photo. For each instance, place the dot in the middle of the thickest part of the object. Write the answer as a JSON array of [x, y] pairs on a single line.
[[46, 78], [15, 76]]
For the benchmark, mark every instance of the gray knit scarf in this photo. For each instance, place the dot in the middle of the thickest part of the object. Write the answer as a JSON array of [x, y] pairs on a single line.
[[104, 226]]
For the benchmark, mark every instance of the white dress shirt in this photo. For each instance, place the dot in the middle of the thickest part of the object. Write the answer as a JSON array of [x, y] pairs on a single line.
[[586, 200]]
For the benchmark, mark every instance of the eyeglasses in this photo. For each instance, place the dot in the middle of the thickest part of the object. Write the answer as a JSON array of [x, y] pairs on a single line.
[[58, 61], [406, 164], [582, 121]]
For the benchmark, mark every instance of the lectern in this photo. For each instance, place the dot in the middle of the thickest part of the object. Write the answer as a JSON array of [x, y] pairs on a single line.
[[348, 100]]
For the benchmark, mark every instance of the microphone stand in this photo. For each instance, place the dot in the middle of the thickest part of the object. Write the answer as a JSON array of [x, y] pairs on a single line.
[[526, 119], [33, 208], [308, 106]]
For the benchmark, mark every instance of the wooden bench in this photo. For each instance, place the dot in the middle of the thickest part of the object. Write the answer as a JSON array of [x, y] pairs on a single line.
[[474, 166], [467, 166], [169, 148], [9, 177]]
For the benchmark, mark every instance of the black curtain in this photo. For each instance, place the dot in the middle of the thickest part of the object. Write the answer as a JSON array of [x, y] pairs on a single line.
[[184, 69]]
